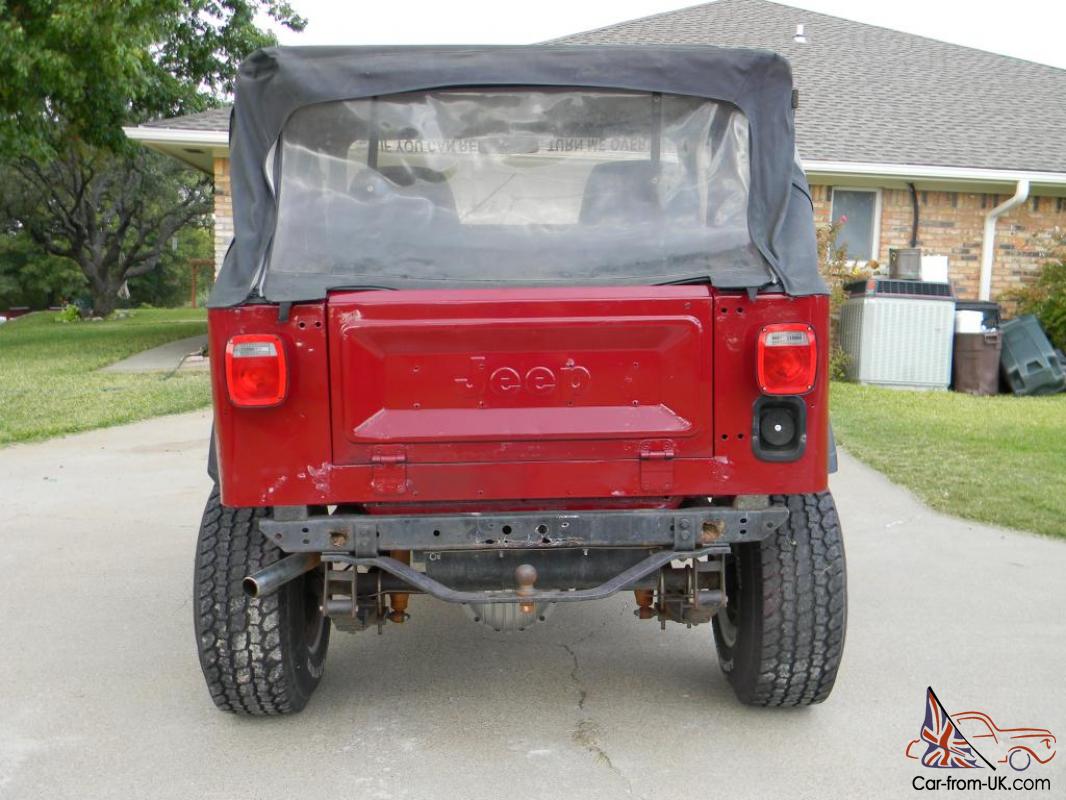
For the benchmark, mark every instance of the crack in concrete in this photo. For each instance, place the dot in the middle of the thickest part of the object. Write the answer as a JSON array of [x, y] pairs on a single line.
[[587, 733], [582, 693]]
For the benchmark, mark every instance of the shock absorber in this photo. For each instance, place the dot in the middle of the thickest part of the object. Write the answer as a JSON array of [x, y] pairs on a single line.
[[398, 600]]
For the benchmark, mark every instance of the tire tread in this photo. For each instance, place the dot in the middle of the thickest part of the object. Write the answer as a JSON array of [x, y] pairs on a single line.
[[238, 638], [793, 657]]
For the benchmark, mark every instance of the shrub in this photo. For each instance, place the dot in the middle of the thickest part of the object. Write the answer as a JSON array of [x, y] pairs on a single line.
[[70, 313], [837, 271], [1046, 299], [839, 361]]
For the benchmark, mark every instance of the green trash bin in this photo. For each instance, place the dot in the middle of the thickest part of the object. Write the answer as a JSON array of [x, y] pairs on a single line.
[[1028, 359]]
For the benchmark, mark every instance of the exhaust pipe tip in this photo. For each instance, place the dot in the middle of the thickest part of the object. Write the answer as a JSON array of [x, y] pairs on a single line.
[[269, 579]]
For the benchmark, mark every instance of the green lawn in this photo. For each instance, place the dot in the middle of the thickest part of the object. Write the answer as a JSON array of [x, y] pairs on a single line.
[[49, 384], [1000, 459]]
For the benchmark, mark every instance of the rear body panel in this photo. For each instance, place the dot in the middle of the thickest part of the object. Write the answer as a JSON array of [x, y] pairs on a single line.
[[506, 398], [541, 375]]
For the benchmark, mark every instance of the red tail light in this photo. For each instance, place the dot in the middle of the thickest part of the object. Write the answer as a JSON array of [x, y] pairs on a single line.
[[256, 374], [787, 359]]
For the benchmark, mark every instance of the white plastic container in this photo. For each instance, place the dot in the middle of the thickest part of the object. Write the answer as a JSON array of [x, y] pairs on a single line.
[[969, 322], [935, 269]]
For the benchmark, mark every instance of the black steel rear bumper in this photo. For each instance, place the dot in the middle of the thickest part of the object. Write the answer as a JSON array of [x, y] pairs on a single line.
[[368, 536], [367, 541]]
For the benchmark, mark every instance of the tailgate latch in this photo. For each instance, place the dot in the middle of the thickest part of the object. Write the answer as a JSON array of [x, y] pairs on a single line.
[[389, 474], [657, 466]]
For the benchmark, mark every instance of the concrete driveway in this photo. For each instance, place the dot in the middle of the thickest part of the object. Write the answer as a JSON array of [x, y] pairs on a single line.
[[101, 693]]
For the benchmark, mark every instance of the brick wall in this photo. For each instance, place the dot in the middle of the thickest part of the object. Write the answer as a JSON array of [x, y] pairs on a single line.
[[822, 206], [952, 224], [223, 211]]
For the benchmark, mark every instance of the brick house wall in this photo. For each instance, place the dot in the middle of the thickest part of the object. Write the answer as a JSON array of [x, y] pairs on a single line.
[[223, 211], [952, 224]]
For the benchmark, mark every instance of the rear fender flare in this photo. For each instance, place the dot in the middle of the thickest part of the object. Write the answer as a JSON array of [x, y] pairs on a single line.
[[832, 450], [212, 457]]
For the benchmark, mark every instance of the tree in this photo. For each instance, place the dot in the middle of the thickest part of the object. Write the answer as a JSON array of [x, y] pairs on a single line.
[[171, 282], [72, 72], [90, 66], [30, 278], [111, 214]]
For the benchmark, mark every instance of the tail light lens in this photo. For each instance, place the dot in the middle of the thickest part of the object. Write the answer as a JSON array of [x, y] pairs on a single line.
[[788, 359], [256, 373]]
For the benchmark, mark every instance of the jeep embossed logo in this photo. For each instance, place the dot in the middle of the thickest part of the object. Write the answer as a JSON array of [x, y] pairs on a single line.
[[566, 381]]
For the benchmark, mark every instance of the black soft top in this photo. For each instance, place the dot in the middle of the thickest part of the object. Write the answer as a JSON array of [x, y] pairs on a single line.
[[275, 82]]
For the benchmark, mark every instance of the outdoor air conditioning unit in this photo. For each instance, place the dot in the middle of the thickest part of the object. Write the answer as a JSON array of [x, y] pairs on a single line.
[[898, 333]]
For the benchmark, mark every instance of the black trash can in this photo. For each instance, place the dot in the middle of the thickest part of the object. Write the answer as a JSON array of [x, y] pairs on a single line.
[[975, 367]]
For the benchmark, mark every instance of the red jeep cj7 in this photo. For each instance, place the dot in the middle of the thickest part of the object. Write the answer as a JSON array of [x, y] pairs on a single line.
[[513, 327]]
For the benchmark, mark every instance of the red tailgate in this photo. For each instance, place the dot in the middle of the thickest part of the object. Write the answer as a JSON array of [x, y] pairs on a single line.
[[464, 376]]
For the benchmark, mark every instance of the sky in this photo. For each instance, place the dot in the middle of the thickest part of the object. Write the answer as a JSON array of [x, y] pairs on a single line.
[[1029, 29]]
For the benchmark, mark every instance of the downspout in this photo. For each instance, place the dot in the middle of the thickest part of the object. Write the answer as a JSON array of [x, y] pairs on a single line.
[[914, 215], [988, 246]]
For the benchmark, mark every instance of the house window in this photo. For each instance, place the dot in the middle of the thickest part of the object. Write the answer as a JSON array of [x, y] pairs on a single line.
[[860, 232]]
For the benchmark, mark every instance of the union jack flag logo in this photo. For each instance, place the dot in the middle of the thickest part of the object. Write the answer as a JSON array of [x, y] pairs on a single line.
[[946, 747]]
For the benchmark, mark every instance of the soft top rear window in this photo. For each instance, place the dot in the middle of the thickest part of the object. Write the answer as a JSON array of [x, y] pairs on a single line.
[[512, 186]]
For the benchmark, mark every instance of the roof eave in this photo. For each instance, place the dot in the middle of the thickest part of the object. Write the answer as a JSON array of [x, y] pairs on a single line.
[[197, 148], [974, 178]]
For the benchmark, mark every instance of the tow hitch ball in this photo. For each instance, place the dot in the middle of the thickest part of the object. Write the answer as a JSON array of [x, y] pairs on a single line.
[[525, 575]]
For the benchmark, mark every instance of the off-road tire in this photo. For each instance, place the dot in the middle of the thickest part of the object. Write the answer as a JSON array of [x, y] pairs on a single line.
[[781, 635], [262, 656]]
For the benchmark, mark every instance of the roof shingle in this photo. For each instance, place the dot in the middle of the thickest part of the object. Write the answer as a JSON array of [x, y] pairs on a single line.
[[870, 94], [214, 119]]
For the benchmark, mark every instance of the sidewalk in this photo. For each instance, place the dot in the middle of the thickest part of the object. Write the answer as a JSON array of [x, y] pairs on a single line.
[[166, 357]]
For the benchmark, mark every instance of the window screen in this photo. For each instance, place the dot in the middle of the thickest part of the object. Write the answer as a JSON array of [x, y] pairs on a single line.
[[856, 210], [512, 185]]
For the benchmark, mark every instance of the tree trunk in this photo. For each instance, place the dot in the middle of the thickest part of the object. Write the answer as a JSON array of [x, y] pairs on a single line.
[[102, 306], [105, 297]]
